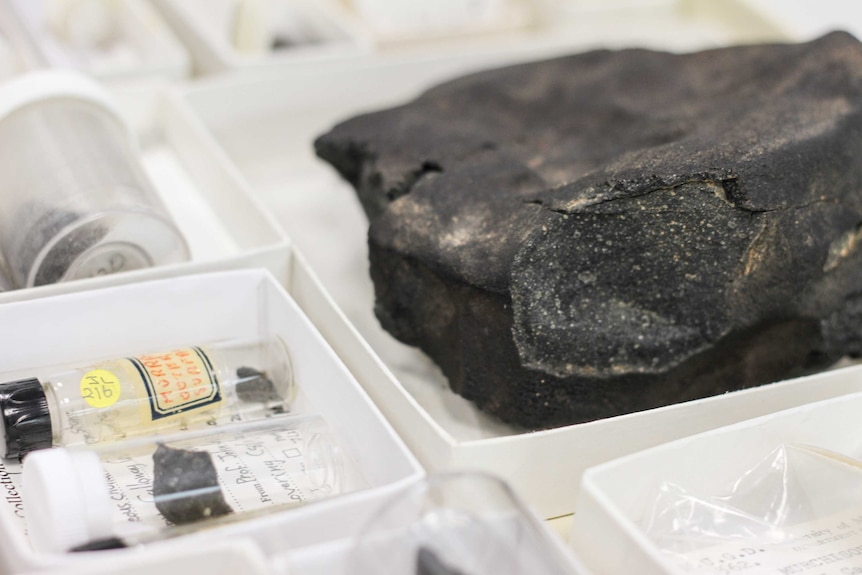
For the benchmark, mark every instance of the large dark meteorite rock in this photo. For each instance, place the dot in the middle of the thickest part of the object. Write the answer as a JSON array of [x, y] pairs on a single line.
[[613, 231]]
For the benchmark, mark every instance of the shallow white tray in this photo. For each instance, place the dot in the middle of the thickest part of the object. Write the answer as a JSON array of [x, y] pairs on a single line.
[[336, 557], [266, 127], [16, 52], [616, 496], [145, 47], [225, 225], [219, 558], [122, 320], [205, 28], [805, 20], [394, 21]]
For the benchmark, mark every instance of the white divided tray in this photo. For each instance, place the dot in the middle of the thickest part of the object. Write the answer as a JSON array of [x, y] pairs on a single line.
[[225, 226], [318, 30], [16, 53], [389, 21], [343, 556], [804, 19], [139, 45], [117, 321], [266, 128], [617, 495]]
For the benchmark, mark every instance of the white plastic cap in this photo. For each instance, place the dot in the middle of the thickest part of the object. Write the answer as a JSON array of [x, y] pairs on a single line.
[[42, 85], [66, 499]]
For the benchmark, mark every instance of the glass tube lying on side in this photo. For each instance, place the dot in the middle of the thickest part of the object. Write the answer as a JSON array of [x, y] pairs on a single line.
[[76, 201], [117, 398], [140, 491], [457, 524]]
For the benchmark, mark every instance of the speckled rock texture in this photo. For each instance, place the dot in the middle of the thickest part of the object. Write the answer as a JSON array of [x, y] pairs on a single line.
[[619, 230], [186, 487]]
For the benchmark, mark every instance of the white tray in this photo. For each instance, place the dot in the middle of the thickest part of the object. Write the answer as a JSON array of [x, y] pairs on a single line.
[[806, 20], [389, 22], [17, 53], [616, 496], [266, 126], [202, 308], [225, 225], [204, 27], [146, 47], [335, 557]]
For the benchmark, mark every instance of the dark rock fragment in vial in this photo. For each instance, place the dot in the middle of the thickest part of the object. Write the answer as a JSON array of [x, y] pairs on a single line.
[[186, 486], [614, 231], [253, 386]]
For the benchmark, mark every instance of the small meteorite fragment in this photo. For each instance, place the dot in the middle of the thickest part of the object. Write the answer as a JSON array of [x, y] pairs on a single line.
[[619, 230], [186, 486], [254, 386]]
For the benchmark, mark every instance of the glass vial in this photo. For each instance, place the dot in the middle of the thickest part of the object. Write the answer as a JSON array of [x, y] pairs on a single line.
[[75, 201], [460, 523], [143, 490], [223, 381]]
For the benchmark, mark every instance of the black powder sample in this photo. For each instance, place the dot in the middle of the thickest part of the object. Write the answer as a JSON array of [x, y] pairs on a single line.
[[614, 231], [186, 486], [428, 563], [254, 386], [58, 259]]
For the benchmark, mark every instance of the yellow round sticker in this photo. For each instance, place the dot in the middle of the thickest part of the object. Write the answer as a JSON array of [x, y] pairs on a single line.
[[100, 388]]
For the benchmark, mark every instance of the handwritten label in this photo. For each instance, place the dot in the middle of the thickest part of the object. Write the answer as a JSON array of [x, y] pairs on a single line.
[[255, 470], [177, 381], [830, 546], [10, 490], [269, 468], [100, 388]]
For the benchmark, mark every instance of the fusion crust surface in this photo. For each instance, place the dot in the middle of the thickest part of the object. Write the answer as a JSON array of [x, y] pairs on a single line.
[[613, 231]]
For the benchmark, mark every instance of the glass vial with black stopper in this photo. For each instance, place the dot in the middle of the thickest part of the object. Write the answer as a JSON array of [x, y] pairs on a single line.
[[233, 380], [147, 489]]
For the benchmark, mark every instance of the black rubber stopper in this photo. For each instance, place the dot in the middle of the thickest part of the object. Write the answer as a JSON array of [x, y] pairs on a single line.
[[26, 419]]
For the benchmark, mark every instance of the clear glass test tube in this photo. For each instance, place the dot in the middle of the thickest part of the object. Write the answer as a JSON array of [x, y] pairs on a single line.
[[456, 524], [218, 382], [144, 490], [75, 200]]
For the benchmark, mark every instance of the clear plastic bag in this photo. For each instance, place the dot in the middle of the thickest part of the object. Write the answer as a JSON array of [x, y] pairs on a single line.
[[798, 511]]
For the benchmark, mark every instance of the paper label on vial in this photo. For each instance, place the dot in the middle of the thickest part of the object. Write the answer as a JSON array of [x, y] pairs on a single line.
[[254, 471], [271, 468], [177, 381], [10, 480], [100, 388], [829, 546]]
